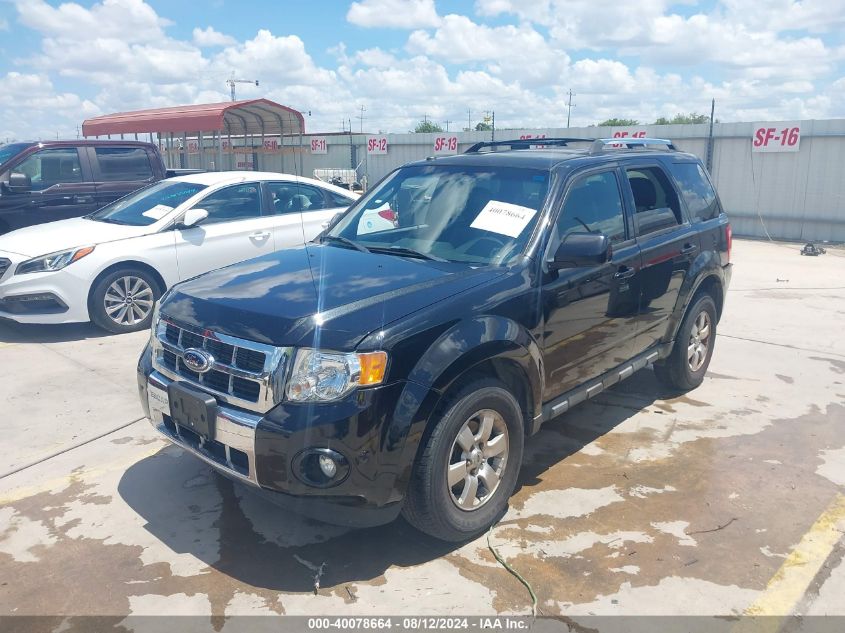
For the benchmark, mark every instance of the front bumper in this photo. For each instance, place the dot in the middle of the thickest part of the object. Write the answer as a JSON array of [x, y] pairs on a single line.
[[259, 451], [51, 297]]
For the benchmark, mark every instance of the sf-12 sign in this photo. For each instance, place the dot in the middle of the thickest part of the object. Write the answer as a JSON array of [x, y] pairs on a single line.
[[445, 145], [776, 137], [319, 145], [377, 145]]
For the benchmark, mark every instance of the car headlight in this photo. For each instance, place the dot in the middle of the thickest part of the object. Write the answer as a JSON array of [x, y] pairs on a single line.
[[324, 376], [53, 261]]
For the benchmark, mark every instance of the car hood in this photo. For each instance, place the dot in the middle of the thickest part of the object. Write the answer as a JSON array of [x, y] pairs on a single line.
[[319, 296], [42, 239]]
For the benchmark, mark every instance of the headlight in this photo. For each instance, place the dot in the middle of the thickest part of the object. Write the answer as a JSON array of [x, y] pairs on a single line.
[[53, 261], [323, 376]]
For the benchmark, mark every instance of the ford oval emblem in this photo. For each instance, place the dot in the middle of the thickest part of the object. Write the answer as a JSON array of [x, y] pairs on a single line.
[[197, 360]]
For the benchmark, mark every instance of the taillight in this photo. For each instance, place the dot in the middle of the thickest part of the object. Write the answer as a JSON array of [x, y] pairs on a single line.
[[729, 237], [388, 214]]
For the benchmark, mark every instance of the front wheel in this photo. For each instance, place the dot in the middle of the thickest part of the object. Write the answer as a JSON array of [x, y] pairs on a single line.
[[123, 300], [685, 367], [468, 466]]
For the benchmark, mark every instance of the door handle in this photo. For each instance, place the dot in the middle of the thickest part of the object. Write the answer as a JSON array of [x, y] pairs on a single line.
[[625, 272], [83, 199], [259, 235], [688, 248]]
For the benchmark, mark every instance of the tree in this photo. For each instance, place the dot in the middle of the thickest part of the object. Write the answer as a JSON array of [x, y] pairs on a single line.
[[679, 118], [483, 127], [427, 126], [618, 122]]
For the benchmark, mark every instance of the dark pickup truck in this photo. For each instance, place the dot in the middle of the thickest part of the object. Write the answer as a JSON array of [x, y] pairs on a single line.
[[54, 180], [399, 367]]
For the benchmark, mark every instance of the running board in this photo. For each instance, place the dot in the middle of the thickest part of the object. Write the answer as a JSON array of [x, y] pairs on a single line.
[[594, 387]]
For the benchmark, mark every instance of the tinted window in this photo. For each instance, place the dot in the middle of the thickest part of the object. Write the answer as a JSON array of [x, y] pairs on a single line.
[[292, 197], [593, 205], [339, 200], [238, 202], [696, 189], [148, 205], [655, 201], [50, 167], [124, 163], [479, 215]]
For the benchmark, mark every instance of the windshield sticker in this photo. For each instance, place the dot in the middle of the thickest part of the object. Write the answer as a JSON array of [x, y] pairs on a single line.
[[158, 211], [503, 218]]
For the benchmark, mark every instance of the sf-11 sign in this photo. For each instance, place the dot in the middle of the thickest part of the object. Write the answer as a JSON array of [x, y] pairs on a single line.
[[319, 145], [377, 145], [776, 137]]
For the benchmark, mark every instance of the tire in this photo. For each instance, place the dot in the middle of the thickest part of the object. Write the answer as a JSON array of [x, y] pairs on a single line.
[[123, 300], [686, 366], [461, 512]]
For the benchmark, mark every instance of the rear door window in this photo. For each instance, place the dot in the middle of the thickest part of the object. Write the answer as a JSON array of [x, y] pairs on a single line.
[[696, 190], [655, 201], [123, 163], [293, 197]]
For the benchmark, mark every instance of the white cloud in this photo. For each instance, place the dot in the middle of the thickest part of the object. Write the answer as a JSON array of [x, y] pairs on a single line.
[[128, 20], [401, 14], [209, 37]]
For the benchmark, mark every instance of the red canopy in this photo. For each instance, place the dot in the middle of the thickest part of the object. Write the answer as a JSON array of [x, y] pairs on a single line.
[[251, 116]]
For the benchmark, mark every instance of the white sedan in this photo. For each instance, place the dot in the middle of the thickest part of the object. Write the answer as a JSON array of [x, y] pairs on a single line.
[[111, 266]]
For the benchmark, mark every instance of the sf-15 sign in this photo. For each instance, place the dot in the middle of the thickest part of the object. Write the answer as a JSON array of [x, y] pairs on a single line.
[[776, 137]]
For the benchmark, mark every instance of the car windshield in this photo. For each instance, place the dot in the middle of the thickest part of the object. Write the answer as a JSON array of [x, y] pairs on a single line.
[[477, 215], [147, 205], [11, 150]]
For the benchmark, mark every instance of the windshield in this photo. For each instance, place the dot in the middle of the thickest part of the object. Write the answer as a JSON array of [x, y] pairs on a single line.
[[479, 215], [11, 150], [147, 205]]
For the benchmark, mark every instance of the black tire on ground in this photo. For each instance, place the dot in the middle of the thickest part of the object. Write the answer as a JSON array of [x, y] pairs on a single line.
[[141, 288], [685, 367], [432, 505]]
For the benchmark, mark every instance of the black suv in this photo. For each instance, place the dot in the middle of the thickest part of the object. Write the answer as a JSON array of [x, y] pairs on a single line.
[[398, 362]]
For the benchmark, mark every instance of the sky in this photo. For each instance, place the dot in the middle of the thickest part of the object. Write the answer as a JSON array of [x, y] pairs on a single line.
[[448, 61]]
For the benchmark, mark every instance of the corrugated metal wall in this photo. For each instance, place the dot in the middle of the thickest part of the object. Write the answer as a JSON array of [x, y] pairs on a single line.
[[790, 195]]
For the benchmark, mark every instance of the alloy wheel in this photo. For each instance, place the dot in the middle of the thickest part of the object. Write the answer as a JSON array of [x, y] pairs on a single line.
[[478, 459], [699, 341], [128, 300]]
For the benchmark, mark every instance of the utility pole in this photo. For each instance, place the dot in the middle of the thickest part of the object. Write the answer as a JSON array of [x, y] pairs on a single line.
[[493, 129], [361, 118], [569, 106], [447, 122], [231, 81], [469, 120]]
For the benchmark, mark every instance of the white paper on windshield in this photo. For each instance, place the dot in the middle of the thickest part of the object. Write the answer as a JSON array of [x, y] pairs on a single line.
[[158, 211], [503, 218]]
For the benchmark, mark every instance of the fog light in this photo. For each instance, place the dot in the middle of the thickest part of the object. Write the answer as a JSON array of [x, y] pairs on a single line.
[[328, 466], [320, 467]]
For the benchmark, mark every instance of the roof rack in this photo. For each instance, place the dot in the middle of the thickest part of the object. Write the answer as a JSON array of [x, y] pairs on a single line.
[[600, 144], [526, 143]]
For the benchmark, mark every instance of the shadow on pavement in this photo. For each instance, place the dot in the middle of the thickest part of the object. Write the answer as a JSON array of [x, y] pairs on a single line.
[[215, 520], [14, 332]]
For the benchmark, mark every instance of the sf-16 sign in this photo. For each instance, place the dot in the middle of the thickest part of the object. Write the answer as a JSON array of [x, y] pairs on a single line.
[[776, 137]]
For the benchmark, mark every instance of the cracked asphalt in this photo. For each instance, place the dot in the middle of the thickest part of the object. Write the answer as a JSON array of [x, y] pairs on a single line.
[[722, 502]]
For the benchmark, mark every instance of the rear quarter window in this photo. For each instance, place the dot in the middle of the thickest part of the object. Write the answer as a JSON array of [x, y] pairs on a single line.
[[124, 163], [696, 190]]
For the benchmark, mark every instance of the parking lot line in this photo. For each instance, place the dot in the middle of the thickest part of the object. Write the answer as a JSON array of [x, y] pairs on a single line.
[[789, 584]]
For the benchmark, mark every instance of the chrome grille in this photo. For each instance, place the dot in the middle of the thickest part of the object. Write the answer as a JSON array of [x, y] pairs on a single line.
[[4, 266], [244, 373]]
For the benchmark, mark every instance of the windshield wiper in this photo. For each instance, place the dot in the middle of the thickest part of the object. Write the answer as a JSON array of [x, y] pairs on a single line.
[[337, 239], [409, 252]]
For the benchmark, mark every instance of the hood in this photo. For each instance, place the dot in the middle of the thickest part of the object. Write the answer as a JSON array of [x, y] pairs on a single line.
[[314, 295], [42, 239]]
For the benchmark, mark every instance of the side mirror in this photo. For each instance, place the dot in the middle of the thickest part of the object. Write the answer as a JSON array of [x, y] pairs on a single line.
[[582, 249], [193, 217], [19, 183], [331, 222]]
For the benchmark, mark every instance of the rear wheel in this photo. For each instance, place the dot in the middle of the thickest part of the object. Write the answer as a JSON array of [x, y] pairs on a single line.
[[123, 300], [685, 367], [468, 466]]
